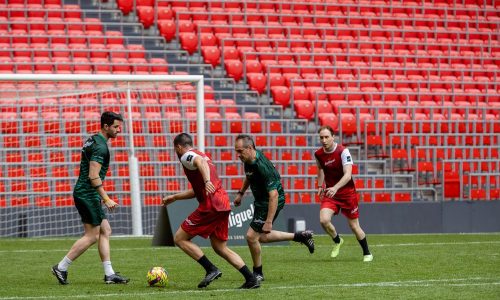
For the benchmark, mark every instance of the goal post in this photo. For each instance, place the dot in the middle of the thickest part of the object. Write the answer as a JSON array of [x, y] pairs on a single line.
[[36, 95]]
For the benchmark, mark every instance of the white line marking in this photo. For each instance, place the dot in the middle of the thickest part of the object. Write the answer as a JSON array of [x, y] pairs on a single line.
[[436, 244], [147, 237], [318, 246], [409, 283]]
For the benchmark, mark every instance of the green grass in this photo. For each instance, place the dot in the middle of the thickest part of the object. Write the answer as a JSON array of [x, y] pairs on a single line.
[[448, 266]]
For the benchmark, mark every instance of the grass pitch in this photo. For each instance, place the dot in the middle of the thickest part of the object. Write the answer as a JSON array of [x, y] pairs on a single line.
[[444, 266]]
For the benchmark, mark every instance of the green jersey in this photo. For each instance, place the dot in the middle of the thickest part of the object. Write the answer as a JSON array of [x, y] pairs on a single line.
[[94, 149], [264, 178]]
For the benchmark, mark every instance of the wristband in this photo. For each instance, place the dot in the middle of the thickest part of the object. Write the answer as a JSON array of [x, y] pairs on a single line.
[[97, 186], [240, 192]]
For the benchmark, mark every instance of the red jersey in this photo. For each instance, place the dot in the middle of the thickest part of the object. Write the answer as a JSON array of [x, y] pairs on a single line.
[[218, 201], [332, 164]]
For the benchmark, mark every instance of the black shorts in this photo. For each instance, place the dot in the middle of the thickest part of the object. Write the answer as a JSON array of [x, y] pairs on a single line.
[[90, 210], [260, 217]]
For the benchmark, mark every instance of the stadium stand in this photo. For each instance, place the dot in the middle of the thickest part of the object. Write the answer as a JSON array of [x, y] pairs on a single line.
[[393, 77]]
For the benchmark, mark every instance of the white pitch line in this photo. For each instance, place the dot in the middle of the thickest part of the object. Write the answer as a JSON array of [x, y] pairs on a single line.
[[318, 246], [436, 244], [409, 283]]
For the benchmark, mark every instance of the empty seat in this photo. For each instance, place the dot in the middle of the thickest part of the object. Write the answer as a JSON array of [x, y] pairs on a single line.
[[211, 55], [257, 82], [304, 109], [256, 125], [146, 15], [189, 42], [234, 69]]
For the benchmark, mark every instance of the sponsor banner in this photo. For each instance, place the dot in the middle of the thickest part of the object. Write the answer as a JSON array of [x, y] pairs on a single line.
[[239, 219]]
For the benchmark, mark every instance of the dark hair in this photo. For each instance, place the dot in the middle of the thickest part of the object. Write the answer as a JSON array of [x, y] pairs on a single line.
[[327, 127], [109, 117], [183, 139], [247, 140]]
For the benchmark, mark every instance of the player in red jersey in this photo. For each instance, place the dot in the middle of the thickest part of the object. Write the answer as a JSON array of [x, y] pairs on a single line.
[[211, 218], [337, 191]]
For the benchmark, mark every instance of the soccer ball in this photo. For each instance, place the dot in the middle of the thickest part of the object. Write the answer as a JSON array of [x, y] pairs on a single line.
[[158, 277]]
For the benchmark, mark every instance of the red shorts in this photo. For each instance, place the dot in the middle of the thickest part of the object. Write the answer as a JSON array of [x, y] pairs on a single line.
[[348, 207], [207, 223]]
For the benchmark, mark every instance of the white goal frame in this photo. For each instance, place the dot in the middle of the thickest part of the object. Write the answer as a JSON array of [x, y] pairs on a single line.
[[133, 162]]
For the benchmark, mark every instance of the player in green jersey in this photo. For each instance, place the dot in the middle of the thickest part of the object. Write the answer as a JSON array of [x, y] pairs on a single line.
[[88, 194], [265, 183]]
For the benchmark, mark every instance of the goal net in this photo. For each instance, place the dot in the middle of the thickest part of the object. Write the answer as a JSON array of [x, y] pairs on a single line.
[[44, 121]]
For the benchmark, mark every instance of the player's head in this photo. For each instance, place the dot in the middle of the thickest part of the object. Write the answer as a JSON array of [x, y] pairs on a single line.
[[111, 124], [326, 137], [245, 148], [182, 142]]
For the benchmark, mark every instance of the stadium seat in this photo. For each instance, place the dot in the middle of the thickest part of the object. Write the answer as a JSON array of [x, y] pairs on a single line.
[[236, 184], [256, 125], [125, 6], [211, 55], [189, 42], [215, 124], [234, 69], [281, 95], [19, 201], [304, 109], [261, 141], [175, 123], [257, 82], [400, 160], [173, 186], [146, 15], [235, 125]]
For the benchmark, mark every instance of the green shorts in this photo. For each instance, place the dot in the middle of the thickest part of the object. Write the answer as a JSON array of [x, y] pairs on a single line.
[[90, 211], [260, 217]]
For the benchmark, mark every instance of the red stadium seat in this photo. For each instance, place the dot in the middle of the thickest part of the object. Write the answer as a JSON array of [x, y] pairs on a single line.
[[281, 95], [211, 55], [235, 125], [214, 120], [257, 82], [234, 69], [167, 29], [236, 183], [255, 126], [157, 66], [304, 109], [125, 6], [146, 15], [329, 119], [189, 42]]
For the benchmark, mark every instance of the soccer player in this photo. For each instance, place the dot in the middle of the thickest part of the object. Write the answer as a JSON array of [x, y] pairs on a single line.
[[337, 191], [210, 219], [88, 194], [265, 183]]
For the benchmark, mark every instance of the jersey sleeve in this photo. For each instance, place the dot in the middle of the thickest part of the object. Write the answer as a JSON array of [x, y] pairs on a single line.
[[99, 153], [187, 160], [346, 157]]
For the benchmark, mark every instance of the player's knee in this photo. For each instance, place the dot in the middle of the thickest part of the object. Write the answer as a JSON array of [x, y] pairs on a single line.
[[355, 227], [178, 240], [220, 250], [251, 238], [106, 232], [263, 238], [324, 221]]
